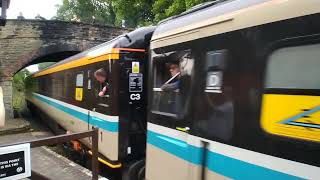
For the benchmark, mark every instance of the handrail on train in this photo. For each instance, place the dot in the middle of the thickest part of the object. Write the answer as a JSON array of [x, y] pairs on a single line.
[[66, 138]]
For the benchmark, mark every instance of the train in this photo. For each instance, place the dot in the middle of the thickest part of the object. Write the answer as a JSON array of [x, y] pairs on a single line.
[[226, 90]]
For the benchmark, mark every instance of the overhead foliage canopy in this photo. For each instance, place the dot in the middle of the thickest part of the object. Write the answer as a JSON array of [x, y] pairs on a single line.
[[128, 13]]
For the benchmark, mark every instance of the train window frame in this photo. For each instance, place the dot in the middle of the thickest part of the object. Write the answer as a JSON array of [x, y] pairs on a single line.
[[162, 60], [275, 128], [103, 103], [57, 85], [68, 84], [270, 76]]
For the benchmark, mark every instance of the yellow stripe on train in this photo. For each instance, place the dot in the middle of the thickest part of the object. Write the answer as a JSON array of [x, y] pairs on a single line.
[[295, 116], [112, 55]]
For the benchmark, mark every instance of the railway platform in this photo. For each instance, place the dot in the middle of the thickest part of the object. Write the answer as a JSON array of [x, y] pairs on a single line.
[[14, 126], [44, 160]]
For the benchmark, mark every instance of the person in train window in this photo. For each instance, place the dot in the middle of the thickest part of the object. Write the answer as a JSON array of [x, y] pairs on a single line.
[[101, 77], [174, 82]]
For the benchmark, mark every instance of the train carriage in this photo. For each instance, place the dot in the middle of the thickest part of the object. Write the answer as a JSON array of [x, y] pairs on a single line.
[[69, 93], [247, 104]]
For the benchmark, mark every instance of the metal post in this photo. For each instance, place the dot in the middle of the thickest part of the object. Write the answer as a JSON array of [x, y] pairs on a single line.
[[4, 9], [94, 147]]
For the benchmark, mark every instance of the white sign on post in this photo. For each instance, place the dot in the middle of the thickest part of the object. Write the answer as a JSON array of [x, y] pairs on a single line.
[[15, 162]]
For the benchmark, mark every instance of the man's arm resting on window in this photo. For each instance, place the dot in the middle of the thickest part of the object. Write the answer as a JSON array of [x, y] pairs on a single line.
[[170, 86]]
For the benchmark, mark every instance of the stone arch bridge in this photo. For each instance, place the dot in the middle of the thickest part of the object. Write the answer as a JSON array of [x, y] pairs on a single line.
[[27, 42]]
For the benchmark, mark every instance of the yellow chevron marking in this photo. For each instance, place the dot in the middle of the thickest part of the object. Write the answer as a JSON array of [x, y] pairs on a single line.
[[277, 108]]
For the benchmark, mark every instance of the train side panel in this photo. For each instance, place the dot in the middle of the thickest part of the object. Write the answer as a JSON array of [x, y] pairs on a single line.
[[246, 107], [57, 98]]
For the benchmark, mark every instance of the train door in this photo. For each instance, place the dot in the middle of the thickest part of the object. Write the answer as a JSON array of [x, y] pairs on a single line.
[[167, 138], [101, 113], [101, 89], [132, 104], [213, 117], [73, 85]]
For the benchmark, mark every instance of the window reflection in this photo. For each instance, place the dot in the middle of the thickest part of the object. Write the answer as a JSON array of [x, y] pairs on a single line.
[[215, 114], [172, 74]]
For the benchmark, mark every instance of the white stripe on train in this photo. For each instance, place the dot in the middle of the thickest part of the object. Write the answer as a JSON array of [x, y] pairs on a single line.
[[259, 159], [82, 110]]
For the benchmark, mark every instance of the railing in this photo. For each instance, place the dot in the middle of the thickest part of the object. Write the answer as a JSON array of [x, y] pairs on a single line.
[[66, 138]]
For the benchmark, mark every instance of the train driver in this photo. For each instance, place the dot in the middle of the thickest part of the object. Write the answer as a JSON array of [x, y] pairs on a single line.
[[174, 82], [101, 77]]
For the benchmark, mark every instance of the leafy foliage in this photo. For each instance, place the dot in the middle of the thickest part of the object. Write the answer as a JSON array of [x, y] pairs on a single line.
[[18, 88], [23, 84], [133, 12], [113, 12], [45, 65], [88, 11]]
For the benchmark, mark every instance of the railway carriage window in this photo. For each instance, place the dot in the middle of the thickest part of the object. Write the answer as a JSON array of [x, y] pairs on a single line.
[[214, 116], [42, 85], [172, 76], [102, 89], [57, 83], [68, 85], [294, 68], [290, 103], [48, 86], [102, 77]]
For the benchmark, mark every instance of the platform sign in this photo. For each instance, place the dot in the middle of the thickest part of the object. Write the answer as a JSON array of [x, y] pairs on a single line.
[[15, 162]]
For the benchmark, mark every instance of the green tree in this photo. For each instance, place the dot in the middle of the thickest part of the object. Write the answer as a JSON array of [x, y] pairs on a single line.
[[133, 12], [18, 79], [113, 12], [18, 88], [45, 65], [110, 12], [167, 8], [88, 11]]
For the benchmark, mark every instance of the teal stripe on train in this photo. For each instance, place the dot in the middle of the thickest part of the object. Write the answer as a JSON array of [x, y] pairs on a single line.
[[95, 121], [217, 163], [176, 147]]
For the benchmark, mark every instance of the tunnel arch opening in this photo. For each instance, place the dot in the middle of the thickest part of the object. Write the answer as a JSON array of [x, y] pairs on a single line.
[[19, 78]]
